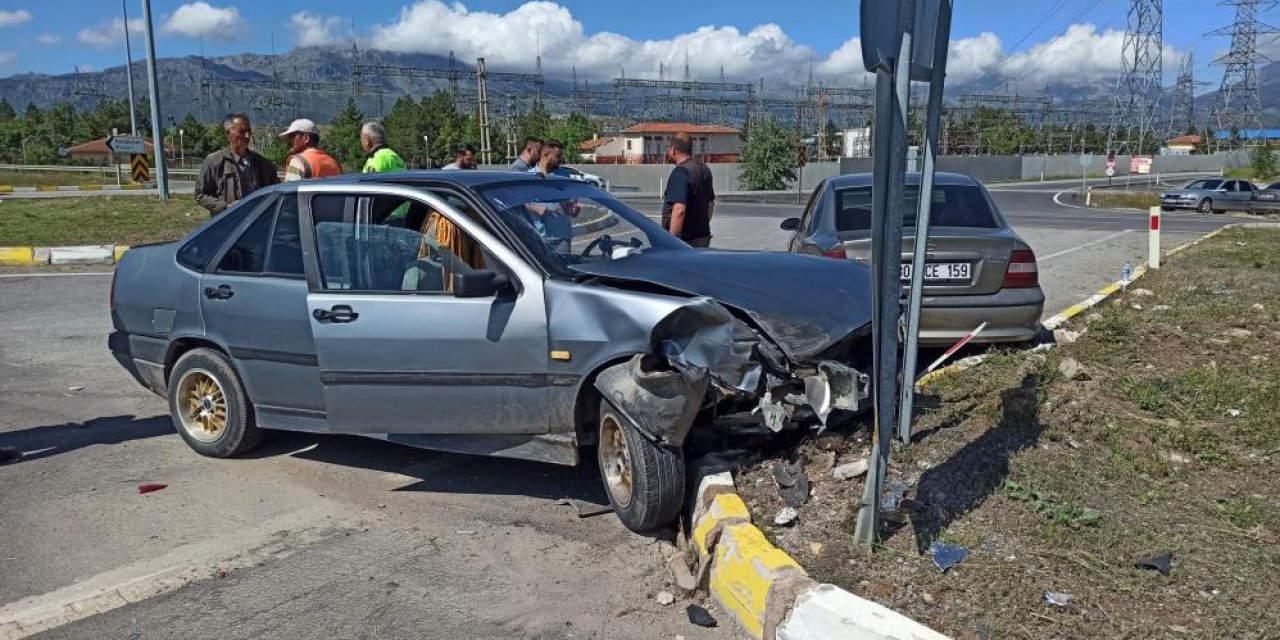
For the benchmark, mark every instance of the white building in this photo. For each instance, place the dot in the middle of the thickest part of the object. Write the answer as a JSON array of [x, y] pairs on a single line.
[[647, 143]]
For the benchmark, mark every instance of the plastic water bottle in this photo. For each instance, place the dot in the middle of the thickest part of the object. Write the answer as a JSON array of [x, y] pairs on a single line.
[[1126, 272]]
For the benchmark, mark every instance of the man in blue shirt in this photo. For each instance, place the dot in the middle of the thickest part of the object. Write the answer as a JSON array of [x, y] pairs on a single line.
[[553, 220]]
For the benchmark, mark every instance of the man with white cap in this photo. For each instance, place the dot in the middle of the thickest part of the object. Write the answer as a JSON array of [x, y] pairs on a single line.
[[306, 159]]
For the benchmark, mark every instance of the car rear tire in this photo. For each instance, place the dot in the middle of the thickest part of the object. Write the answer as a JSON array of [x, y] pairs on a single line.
[[209, 407], [1205, 206], [644, 479]]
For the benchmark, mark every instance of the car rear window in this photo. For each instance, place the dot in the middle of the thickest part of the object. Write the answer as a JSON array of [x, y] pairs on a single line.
[[199, 250], [953, 206]]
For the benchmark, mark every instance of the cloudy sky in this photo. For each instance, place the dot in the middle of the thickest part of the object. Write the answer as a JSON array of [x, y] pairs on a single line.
[[1029, 44]]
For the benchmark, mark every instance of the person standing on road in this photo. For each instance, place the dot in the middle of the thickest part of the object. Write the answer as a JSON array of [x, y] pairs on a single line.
[[530, 156], [690, 198], [464, 159], [553, 220], [373, 138], [306, 159], [228, 175]]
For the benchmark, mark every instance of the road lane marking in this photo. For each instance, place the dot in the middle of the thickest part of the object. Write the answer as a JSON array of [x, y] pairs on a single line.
[[1064, 252], [184, 565]]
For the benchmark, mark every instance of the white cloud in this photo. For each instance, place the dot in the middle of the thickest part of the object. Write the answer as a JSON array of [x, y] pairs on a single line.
[[1080, 57], [11, 18], [7, 57], [110, 33], [314, 29], [85, 68], [48, 38], [203, 20]]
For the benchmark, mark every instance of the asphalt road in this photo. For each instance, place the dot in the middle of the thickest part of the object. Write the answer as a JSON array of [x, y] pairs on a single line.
[[346, 537]]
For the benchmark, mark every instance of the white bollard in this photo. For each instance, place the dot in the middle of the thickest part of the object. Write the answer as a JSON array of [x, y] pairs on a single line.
[[1153, 241], [1088, 197]]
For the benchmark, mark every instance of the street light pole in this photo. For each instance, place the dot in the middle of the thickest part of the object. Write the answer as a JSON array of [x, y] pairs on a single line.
[[128, 69], [162, 172]]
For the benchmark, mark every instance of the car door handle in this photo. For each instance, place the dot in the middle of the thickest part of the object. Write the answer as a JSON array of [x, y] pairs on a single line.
[[337, 314], [221, 292]]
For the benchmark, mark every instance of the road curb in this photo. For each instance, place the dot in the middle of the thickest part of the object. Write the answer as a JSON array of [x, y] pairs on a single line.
[[80, 254], [133, 186], [767, 592]]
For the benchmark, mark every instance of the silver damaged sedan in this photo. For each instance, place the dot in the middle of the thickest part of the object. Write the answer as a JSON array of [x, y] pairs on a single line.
[[485, 313], [977, 268]]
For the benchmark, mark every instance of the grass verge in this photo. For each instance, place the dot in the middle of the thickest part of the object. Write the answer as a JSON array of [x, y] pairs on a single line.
[[1125, 199], [1164, 439], [96, 220], [57, 178]]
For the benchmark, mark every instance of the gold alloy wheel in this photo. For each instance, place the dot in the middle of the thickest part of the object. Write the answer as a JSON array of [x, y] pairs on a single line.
[[615, 460], [202, 405]]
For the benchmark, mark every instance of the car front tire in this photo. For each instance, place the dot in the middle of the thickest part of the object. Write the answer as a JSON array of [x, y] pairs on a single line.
[[1205, 206], [209, 407], [644, 479]]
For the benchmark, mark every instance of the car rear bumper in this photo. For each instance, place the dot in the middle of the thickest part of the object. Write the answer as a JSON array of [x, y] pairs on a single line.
[[1012, 315], [126, 348], [1265, 205]]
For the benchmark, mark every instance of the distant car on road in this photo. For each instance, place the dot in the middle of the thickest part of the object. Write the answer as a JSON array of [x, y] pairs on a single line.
[[976, 270], [1267, 200], [589, 178], [487, 313], [1211, 195]]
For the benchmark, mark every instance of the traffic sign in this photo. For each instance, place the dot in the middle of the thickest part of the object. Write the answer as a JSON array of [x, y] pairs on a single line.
[[126, 144], [1085, 159], [802, 158], [1111, 171], [1111, 160], [141, 169]]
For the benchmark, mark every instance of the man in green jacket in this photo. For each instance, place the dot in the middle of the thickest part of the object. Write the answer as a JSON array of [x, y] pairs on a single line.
[[229, 175], [381, 158]]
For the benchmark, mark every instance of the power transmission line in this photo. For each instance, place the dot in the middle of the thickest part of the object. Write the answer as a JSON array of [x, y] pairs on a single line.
[[1134, 116], [1238, 105]]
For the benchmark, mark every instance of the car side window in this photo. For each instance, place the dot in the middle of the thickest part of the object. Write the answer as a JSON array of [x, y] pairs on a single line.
[[1245, 186], [807, 218], [198, 251], [249, 253], [394, 244], [286, 241]]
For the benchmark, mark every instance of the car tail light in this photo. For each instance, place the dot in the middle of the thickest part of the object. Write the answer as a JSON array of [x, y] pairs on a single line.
[[837, 253], [1022, 272]]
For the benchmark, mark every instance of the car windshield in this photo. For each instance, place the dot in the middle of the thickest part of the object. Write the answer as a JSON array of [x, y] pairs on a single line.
[[953, 206], [567, 223], [1207, 185]]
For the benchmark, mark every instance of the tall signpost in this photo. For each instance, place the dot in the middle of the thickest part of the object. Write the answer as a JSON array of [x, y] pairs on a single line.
[[128, 70], [930, 49], [889, 43], [162, 172]]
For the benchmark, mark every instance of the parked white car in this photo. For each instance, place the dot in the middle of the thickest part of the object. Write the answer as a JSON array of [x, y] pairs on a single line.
[[589, 178]]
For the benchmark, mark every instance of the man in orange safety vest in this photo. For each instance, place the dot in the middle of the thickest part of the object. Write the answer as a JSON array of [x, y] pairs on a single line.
[[306, 159]]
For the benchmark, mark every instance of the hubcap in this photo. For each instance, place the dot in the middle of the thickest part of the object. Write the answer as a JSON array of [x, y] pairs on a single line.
[[615, 461], [202, 405]]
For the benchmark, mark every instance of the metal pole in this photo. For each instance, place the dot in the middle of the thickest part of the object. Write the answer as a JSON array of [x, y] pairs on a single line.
[[128, 70], [887, 200], [924, 200], [162, 172]]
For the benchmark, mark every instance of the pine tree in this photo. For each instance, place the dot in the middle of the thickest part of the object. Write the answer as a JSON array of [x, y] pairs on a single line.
[[1264, 162], [768, 157], [7, 114], [342, 141], [572, 131], [405, 130]]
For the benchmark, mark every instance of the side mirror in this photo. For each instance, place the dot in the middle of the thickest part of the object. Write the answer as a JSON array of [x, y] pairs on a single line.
[[790, 224], [482, 283]]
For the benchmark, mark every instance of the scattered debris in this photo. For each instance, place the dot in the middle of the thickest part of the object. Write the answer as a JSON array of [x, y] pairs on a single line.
[[1066, 336], [829, 441], [1162, 563], [1220, 289], [1234, 413], [1238, 333], [700, 616], [786, 517], [927, 597], [664, 598], [1210, 591], [815, 548], [1071, 369], [1161, 307], [1175, 457], [585, 509], [793, 484], [680, 573], [76, 388], [1143, 292], [1058, 599], [1257, 306], [222, 573], [150, 487], [851, 470], [1093, 317], [1137, 307], [946, 555], [894, 489], [465, 532]]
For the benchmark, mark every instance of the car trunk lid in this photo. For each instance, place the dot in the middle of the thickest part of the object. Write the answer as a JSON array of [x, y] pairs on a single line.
[[959, 261]]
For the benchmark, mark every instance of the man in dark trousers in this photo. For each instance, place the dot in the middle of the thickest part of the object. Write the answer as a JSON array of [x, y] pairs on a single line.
[[690, 197], [229, 175]]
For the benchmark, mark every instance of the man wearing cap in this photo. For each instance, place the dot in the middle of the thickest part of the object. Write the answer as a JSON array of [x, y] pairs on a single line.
[[306, 159]]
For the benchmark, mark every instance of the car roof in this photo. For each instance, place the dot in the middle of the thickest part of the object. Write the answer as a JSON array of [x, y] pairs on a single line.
[[462, 178], [940, 178]]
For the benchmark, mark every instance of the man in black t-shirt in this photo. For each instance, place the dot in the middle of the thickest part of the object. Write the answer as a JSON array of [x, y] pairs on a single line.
[[690, 197]]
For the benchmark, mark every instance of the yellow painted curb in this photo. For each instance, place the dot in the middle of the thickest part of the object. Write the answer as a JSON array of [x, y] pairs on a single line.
[[46, 188], [17, 255], [91, 187], [724, 508], [118, 251], [4, 188], [131, 186], [746, 566]]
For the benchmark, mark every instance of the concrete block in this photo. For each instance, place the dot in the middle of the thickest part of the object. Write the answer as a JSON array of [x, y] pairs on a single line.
[[118, 251], [42, 255], [725, 509], [16, 255], [828, 611], [746, 567], [711, 486], [88, 254]]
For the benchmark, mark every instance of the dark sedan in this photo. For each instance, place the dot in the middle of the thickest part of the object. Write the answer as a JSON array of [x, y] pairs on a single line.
[[976, 270]]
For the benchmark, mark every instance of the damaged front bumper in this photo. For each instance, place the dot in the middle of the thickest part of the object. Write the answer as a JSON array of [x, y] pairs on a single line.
[[704, 355]]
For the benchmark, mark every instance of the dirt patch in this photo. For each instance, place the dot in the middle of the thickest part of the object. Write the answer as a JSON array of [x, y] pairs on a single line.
[[1155, 433]]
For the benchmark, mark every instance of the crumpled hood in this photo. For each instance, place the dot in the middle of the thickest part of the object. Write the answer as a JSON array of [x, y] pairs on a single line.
[[804, 303]]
